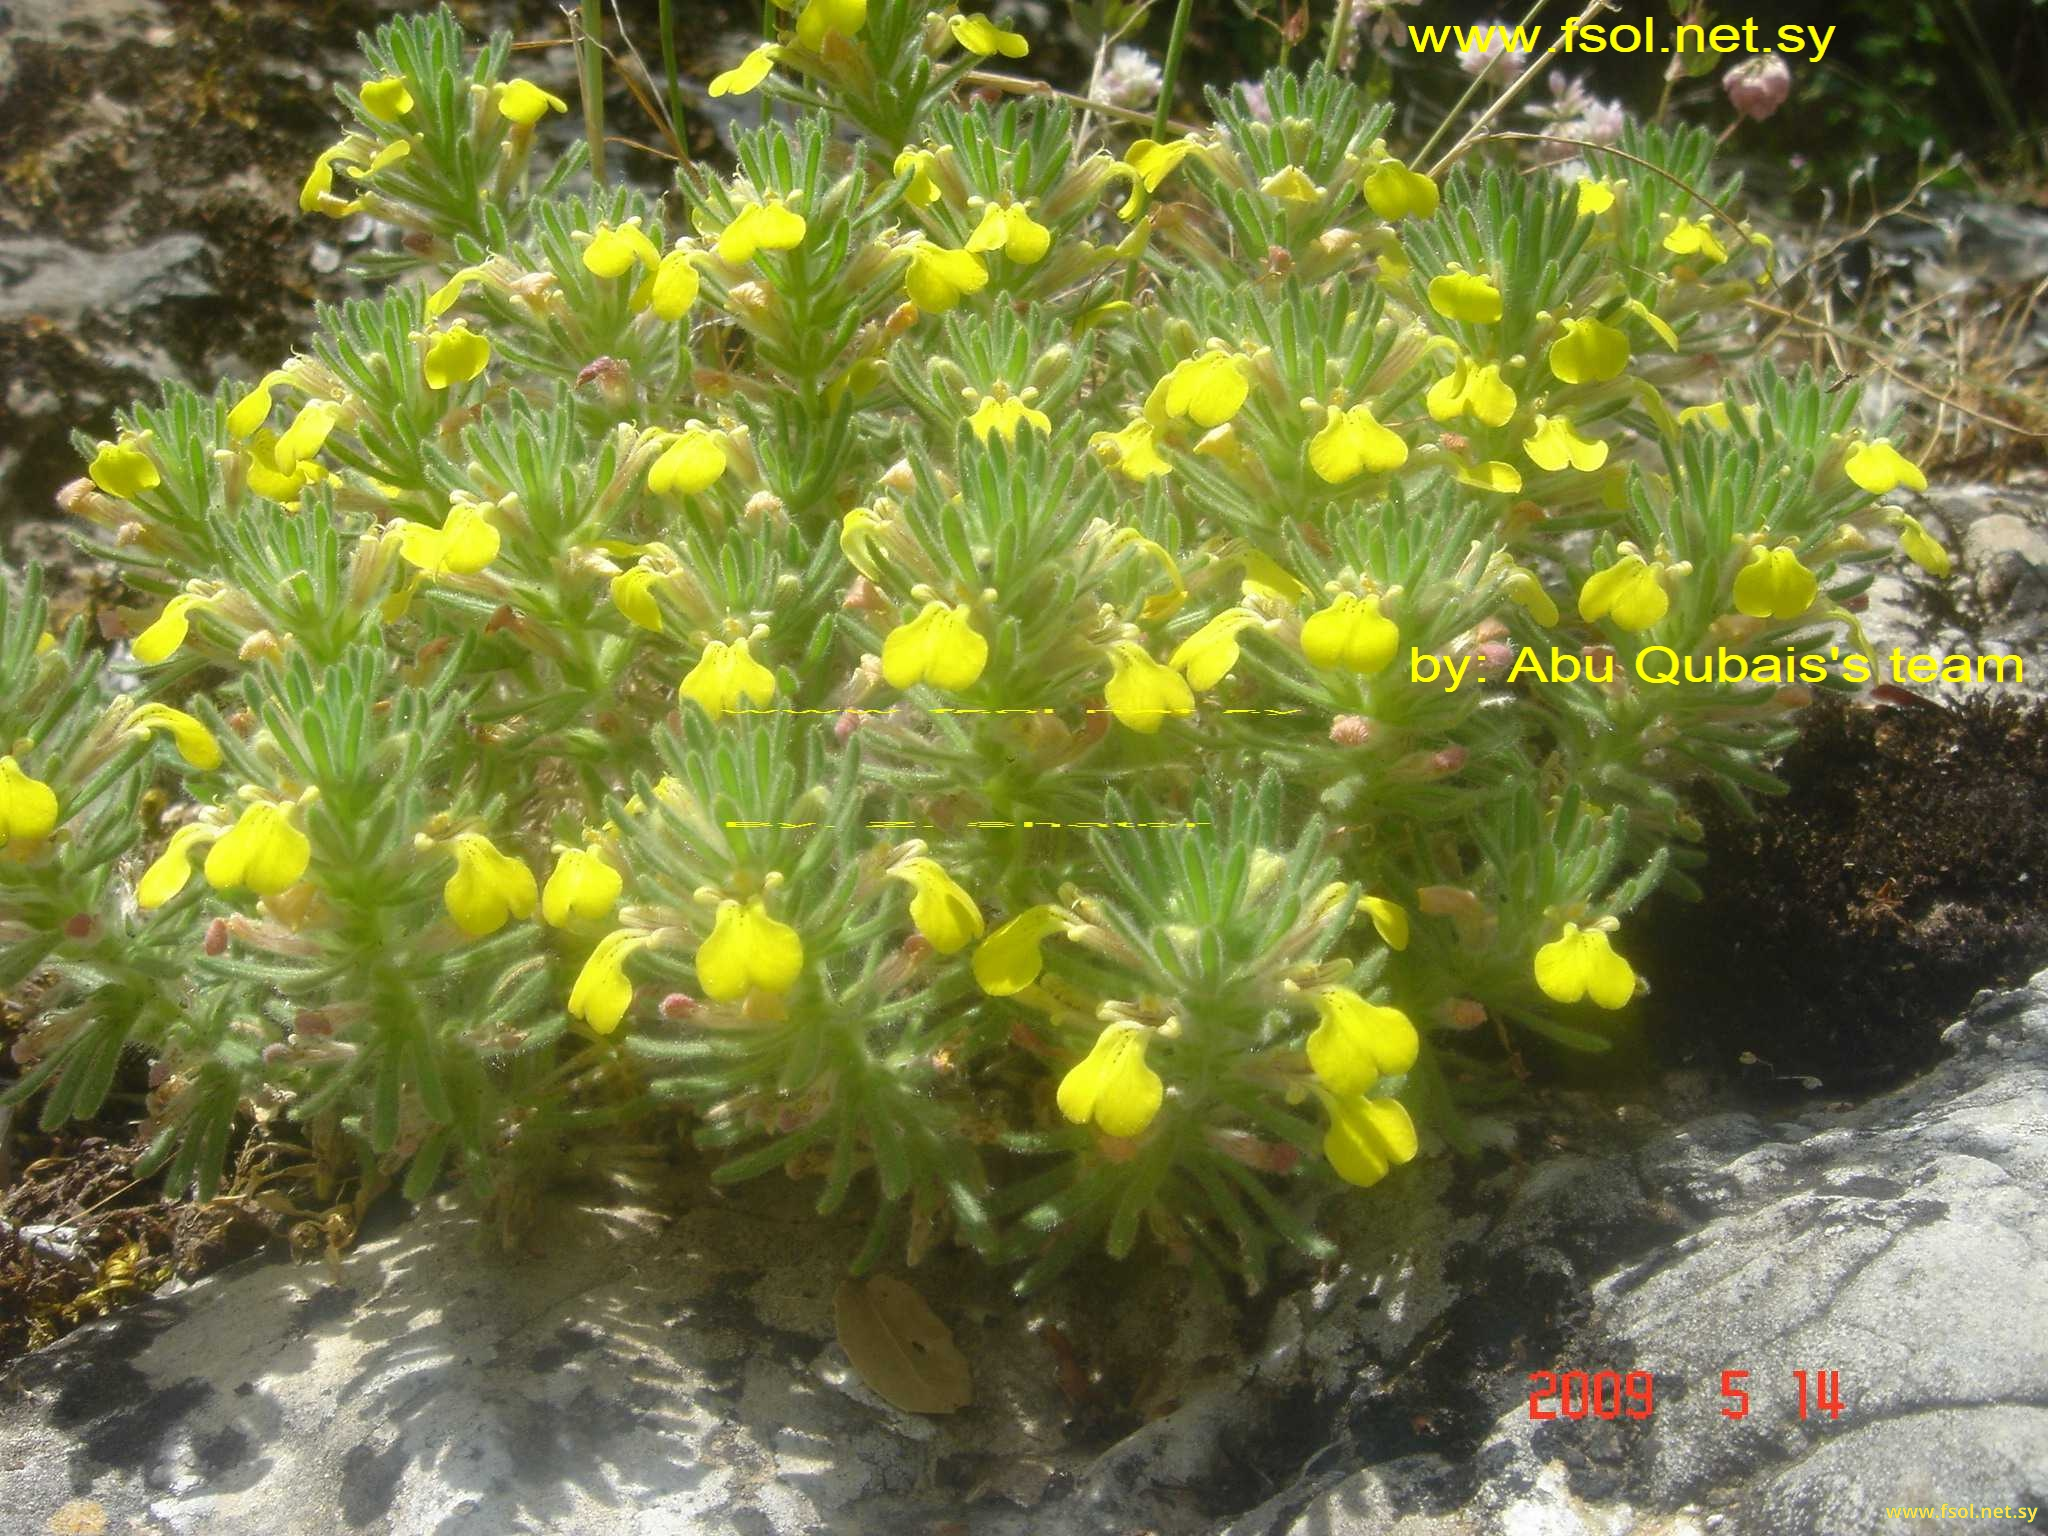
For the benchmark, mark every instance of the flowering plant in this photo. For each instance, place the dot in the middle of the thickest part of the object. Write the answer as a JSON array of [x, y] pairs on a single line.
[[910, 660]]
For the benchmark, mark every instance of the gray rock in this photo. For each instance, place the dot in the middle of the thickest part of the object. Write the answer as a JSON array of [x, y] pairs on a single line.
[[666, 1364]]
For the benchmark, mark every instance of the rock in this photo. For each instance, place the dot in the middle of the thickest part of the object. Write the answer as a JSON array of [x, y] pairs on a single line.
[[2008, 561], [667, 1364]]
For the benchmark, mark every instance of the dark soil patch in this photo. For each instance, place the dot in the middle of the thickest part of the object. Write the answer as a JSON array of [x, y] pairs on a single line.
[[1845, 927]]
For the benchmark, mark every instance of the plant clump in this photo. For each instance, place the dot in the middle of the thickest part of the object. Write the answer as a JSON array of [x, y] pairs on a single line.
[[989, 675]]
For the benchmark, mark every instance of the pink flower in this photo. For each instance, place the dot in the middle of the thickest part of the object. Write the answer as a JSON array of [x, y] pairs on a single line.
[[1758, 87], [1495, 38]]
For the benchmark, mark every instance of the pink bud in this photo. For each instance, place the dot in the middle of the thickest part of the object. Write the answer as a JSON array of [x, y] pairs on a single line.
[[1449, 760], [1493, 659], [1351, 731], [275, 1052], [80, 925], [847, 723], [312, 1022], [1461, 1012], [678, 1006], [1758, 87]]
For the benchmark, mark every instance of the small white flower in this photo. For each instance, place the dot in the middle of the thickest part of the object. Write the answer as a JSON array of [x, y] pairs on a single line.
[[1132, 79]]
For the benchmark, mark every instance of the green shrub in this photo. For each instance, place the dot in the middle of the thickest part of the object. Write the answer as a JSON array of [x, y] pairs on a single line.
[[908, 661]]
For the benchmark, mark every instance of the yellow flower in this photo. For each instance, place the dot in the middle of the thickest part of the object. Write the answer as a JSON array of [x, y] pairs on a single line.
[[123, 470], [1130, 451], [262, 852], [1595, 196], [1555, 445], [1011, 230], [1525, 589], [1367, 1137], [830, 18], [316, 194], [1463, 296], [1004, 416], [1588, 352], [253, 409], [1266, 577], [1493, 475], [1579, 962], [463, 545], [1394, 192], [746, 75], [1290, 184], [917, 164], [983, 36], [28, 807], [1207, 655], [488, 888], [1389, 920], [1148, 163], [1630, 592], [455, 356], [726, 679], [582, 886], [692, 463], [758, 227], [671, 289], [633, 595], [940, 646], [270, 475], [1714, 415], [1352, 443], [748, 951], [1921, 547], [1774, 585], [1009, 960], [938, 279], [1877, 467], [1207, 390], [945, 914], [194, 741], [1691, 238], [387, 100], [526, 103], [1657, 323], [161, 640], [603, 992], [307, 434], [1112, 1086], [1357, 1042], [171, 871], [1351, 634], [443, 298], [1475, 389], [1141, 693], [613, 252]]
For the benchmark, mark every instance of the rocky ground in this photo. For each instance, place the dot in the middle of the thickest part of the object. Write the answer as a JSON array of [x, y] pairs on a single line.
[[673, 1367]]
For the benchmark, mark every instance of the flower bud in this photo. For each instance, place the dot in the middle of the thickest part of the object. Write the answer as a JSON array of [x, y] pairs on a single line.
[[1757, 87]]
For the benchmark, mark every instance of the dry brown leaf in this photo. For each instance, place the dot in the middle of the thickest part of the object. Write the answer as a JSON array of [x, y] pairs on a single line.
[[899, 1347]]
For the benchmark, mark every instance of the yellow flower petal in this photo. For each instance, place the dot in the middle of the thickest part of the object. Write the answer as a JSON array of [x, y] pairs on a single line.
[[1588, 352], [123, 470], [1142, 694], [692, 463], [1594, 196], [613, 252], [1009, 959], [455, 356], [983, 36], [748, 951], [944, 913], [1130, 451], [262, 852], [1877, 467], [1352, 443], [1112, 1085], [1629, 592], [1774, 585], [1394, 192], [1389, 920], [582, 886], [1464, 296], [727, 679], [1367, 1137], [746, 75], [937, 279], [28, 807], [673, 288], [388, 99], [603, 992], [940, 646], [633, 595], [1351, 634], [488, 888], [526, 103], [1581, 962], [171, 871], [194, 741], [161, 640], [1357, 1042], [1207, 655], [1555, 446]]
